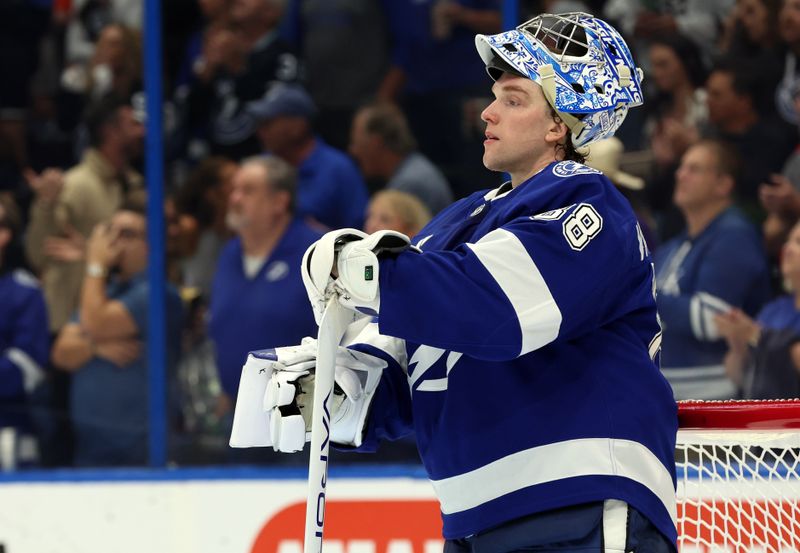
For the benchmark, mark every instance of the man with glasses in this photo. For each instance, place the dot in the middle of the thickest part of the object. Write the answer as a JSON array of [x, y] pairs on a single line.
[[103, 343]]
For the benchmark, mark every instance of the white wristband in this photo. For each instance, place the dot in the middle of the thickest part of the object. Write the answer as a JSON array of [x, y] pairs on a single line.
[[95, 270]]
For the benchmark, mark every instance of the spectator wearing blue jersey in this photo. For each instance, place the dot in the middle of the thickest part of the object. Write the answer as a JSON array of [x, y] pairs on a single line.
[[330, 190], [763, 356], [257, 296], [716, 264], [24, 343], [519, 337], [103, 344], [241, 61]]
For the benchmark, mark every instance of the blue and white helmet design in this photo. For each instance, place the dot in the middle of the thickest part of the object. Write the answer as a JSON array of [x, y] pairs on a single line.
[[583, 65]]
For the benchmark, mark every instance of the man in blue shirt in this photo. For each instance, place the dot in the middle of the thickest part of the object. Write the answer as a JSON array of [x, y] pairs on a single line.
[[330, 189], [103, 345], [257, 296], [716, 264]]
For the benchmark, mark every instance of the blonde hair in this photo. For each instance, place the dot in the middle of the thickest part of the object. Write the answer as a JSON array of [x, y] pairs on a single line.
[[411, 211]]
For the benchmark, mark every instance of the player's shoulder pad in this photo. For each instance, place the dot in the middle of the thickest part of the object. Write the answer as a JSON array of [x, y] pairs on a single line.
[[24, 278]]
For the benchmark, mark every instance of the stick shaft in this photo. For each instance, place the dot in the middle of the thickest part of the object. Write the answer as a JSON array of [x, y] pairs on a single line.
[[331, 329]]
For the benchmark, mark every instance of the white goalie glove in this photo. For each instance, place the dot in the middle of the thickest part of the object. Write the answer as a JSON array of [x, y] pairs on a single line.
[[276, 396], [355, 255]]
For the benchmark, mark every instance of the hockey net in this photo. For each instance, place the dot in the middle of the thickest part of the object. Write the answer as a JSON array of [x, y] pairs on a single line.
[[738, 467]]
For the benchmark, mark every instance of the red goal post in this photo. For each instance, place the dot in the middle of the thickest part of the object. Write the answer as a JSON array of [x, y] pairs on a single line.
[[738, 468]]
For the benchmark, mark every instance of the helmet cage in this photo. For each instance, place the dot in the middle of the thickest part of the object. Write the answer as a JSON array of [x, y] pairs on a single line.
[[583, 65]]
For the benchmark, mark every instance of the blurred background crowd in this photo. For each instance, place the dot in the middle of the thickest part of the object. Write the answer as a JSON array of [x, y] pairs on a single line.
[[285, 118]]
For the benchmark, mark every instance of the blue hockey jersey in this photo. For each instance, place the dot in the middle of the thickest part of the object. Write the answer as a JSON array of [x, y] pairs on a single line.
[[523, 343], [24, 344], [263, 309], [722, 267]]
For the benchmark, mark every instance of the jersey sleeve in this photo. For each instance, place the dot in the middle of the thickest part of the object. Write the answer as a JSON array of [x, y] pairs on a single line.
[[534, 280], [715, 291], [390, 412]]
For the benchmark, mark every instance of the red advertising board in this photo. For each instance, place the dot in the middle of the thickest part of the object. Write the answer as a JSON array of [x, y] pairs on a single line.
[[403, 526]]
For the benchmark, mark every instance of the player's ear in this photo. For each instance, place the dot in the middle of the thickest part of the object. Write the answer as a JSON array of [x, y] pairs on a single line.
[[556, 131]]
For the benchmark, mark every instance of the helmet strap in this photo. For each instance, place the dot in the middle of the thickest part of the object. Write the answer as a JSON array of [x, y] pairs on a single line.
[[547, 77]]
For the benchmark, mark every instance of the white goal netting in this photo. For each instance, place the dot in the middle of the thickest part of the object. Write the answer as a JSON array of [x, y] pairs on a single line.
[[738, 466]]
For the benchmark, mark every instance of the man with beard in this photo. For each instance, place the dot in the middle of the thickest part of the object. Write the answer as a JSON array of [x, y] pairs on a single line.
[[257, 296]]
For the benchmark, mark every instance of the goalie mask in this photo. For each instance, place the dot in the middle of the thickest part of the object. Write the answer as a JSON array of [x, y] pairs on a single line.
[[583, 65]]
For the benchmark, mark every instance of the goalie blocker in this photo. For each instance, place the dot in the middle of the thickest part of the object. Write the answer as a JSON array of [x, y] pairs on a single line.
[[275, 398], [276, 393]]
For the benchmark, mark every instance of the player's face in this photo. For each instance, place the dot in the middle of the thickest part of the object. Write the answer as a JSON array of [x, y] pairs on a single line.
[[517, 123], [697, 179]]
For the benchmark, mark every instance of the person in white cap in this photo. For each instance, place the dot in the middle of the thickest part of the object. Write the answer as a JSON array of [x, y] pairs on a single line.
[[518, 336]]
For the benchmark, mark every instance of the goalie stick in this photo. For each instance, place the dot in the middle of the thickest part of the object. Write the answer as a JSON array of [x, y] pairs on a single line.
[[332, 327]]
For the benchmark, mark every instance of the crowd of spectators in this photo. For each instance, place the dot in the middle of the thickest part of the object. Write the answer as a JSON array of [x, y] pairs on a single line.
[[285, 118]]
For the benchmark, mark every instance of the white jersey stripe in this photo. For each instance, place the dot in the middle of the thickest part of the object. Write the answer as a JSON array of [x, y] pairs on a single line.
[[552, 462], [511, 266], [32, 373]]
